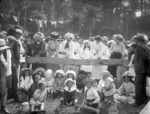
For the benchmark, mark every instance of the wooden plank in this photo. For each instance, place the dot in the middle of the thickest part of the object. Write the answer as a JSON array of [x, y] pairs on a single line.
[[66, 61]]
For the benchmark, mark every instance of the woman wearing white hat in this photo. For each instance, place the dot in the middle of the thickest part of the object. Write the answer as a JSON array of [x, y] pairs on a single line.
[[126, 91], [3, 66]]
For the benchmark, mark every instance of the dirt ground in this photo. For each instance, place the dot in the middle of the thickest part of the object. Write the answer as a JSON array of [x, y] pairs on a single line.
[[53, 107]]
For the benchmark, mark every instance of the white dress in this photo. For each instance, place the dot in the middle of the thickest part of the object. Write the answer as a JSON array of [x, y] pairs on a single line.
[[86, 54], [98, 50]]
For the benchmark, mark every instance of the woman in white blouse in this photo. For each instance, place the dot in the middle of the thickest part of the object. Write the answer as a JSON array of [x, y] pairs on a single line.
[[117, 50], [91, 97]]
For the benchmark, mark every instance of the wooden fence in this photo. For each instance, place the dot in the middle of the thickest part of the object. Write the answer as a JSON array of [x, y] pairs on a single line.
[[120, 63]]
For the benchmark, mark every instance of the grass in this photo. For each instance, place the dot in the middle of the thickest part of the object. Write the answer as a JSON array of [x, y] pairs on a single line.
[[53, 107]]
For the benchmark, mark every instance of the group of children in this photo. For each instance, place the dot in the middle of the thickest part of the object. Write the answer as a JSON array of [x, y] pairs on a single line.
[[64, 86]]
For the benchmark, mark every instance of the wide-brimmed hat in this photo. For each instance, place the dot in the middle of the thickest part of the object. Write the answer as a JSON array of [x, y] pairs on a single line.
[[26, 69], [140, 36], [54, 35], [127, 73], [118, 37], [106, 73], [98, 37], [11, 32], [58, 71], [19, 31], [39, 36], [87, 42], [40, 69], [69, 36], [3, 36], [11, 38], [93, 81], [71, 72], [69, 79], [3, 45]]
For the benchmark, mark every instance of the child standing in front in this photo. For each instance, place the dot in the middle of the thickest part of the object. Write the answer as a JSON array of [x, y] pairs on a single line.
[[126, 91], [39, 97]]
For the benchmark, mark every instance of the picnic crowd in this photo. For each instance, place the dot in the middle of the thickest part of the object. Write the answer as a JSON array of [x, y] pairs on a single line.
[[31, 84]]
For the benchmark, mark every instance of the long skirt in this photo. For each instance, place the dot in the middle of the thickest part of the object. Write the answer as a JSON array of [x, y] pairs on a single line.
[[112, 68]]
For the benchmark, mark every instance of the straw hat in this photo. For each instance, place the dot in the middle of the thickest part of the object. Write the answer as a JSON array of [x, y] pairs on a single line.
[[40, 69], [127, 73], [89, 80], [3, 45], [71, 72], [118, 37], [54, 35], [69, 36], [39, 36], [59, 71], [26, 69], [106, 73], [69, 79]]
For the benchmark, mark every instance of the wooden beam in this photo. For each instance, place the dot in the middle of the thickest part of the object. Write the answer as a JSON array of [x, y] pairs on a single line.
[[67, 61]]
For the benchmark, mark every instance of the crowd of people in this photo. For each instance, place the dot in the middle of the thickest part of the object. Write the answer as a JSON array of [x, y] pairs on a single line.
[[33, 83]]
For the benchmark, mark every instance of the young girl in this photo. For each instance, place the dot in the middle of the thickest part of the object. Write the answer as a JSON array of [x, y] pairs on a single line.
[[58, 84], [91, 97], [106, 86], [86, 54], [25, 84], [39, 97], [40, 71], [26, 79], [71, 74], [69, 92], [126, 91]]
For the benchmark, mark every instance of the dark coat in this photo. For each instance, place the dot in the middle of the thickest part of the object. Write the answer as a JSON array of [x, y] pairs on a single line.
[[141, 59]]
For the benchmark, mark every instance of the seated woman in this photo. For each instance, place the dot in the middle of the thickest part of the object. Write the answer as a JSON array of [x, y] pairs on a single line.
[[39, 98], [91, 97], [35, 85], [69, 92], [126, 91], [25, 83], [106, 86], [58, 84]]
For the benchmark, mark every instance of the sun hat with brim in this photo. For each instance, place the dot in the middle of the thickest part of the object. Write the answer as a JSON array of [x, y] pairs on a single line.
[[54, 35], [39, 36], [127, 73], [26, 69], [106, 73], [3, 36], [87, 42], [19, 31], [118, 37], [71, 72], [58, 71], [98, 37], [140, 36], [69, 36], [40, 69], [69, 79], [11, 38], [3, 45], [93, 81]]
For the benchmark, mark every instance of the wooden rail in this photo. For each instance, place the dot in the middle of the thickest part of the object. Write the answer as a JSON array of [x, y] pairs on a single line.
[[120, 63]]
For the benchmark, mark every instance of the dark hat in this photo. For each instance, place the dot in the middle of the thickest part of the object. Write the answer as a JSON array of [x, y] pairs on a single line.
[[11, 32], [55, 35], [140, 36], [98, 37]]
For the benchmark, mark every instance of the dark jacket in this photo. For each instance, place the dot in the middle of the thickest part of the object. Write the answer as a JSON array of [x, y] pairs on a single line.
[[141, 58]]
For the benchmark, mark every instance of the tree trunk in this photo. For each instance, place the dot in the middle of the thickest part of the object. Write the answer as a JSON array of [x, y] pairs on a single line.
[[25, 16]]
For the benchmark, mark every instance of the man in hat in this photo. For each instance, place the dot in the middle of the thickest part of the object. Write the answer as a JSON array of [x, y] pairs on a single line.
[[141, 61], [15, 58], [3, 67]]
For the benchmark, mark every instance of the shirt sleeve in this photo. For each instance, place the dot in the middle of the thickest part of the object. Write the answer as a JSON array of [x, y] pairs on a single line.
[[96, 96]]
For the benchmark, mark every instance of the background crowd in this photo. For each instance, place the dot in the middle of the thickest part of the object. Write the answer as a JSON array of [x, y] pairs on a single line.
[[34, 82]]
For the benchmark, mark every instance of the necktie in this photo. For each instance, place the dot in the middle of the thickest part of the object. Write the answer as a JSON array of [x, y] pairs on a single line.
[[67, 45]]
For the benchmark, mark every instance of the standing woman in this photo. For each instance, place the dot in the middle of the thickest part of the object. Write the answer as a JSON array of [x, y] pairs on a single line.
[[117, 50], [39, 48], [3, 85]]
